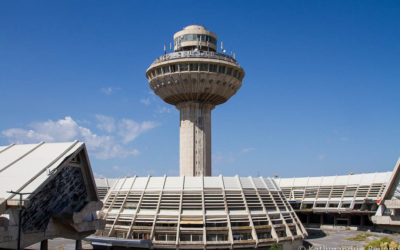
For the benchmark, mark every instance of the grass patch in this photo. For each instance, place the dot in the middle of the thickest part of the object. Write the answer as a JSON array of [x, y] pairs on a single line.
[[360, 237], [383, 243]]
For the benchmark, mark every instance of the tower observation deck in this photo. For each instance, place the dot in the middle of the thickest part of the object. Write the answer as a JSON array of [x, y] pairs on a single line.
[[195, 78]]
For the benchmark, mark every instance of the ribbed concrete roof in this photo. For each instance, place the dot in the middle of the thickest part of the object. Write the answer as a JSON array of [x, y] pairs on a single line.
[[355, 179], [191, 183]]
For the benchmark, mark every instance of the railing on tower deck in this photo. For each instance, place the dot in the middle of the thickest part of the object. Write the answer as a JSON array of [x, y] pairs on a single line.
[[194, 53]]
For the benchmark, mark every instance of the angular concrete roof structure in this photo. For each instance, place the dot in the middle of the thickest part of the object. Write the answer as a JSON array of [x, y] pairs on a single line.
[[61, 198], [388, 213]]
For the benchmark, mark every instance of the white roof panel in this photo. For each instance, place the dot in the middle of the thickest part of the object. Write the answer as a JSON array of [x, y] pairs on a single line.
[[340, 180], [156, 183], [128, 183], [212, 182], [174, 183], [25, 167], [193, 182], [259, 183], [246, 182], [231, 183], [140, 183]]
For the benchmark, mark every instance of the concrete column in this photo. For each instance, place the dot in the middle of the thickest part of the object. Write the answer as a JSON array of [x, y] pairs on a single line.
[[195, 139], [362, 222], [78, 245], [44, 245]]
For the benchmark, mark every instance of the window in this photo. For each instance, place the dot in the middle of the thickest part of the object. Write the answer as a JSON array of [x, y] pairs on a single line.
[[221, 69], [165, 237], [183, 67], [158, 71], [194, 67], [213, 68], [191, 237], [242, 236], [166, 69], [235, 73], [197, 237], [217, 237], [229, 71], [264, 235], [173, 68], [203, 67]]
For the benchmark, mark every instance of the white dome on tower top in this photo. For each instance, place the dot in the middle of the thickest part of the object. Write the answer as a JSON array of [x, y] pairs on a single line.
[[194, 27], [195, 37]]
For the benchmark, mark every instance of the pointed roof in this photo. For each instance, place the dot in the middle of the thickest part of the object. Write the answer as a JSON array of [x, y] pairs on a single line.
[[26, 167]]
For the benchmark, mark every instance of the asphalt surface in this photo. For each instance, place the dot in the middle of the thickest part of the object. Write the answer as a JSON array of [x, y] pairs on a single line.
[[340, 239], [61, 244], [319, 239]]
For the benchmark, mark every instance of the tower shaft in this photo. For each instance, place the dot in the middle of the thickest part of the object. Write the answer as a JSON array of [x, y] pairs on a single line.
[[195, 138]]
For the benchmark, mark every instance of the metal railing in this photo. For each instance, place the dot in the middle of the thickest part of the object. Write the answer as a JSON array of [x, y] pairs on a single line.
[[194, 54]]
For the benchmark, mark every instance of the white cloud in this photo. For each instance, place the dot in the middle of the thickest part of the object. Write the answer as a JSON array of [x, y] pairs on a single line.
[[99, 146], [246, 150], [321, 157], [145, 101], [105, 123], [163, 109], [129, 129], [107, 90], [62, 130], [218, 158]]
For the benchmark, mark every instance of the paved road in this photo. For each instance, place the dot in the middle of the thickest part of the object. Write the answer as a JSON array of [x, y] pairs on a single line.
[[61, 244], [340, 238], [322, 239]]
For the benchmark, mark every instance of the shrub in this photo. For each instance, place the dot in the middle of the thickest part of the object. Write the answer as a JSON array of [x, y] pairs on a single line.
[[276, 246], [383, 243]]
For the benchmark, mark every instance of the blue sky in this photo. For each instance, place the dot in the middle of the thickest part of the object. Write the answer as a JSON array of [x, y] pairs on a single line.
[[320, 96]]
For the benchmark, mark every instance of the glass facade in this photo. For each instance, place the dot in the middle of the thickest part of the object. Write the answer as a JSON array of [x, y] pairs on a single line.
[[196, 67], [196, 37]]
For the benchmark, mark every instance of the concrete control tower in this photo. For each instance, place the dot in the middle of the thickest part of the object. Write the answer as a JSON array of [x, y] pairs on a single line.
[[195, 78]]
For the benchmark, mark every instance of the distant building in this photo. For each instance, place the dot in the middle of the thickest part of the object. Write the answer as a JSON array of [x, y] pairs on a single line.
[[61, 198]]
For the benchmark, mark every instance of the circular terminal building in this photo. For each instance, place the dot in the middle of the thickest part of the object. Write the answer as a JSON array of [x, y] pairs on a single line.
[[196, 210], [198, 213]]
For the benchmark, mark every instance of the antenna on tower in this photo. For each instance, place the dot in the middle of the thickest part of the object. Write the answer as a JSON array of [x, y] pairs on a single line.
[[234, 55], [170, 46], [222, 47], [165, 49]]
